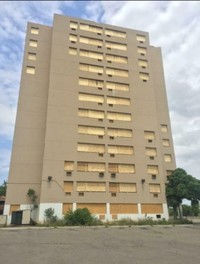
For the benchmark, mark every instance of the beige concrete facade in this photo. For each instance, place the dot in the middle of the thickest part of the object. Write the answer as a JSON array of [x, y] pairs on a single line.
[[92, 115]]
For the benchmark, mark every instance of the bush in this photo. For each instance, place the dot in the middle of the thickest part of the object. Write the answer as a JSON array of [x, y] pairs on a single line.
[[49, 214], [80, 217]]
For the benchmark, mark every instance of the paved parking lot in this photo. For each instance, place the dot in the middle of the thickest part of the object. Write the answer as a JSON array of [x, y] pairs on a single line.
[[95, 245]]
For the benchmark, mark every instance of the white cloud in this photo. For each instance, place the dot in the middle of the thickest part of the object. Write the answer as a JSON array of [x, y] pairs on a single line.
[[14, 17], [4, 163], [175, 26]]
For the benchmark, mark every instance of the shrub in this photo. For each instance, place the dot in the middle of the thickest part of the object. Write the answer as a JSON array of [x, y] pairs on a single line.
[[80, 217], [49, 213]]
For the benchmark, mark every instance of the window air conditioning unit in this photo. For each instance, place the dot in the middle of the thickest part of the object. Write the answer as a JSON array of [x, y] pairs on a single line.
[[101, 174]]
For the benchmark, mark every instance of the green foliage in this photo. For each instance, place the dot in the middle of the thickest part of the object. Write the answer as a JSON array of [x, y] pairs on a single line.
[[181, 186], [3, 188], [33, 197], [49, 213], [171, 212], [187, 210], [148, 221], [80, 217], [195, 207]]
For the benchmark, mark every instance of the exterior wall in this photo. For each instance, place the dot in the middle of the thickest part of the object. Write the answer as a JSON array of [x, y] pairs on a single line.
[[28, 147], [46, 133]]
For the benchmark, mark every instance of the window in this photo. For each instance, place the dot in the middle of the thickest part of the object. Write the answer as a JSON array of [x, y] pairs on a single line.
[[33, 43], [142, 51], [34, 30], [73, 25], [91, 98], [30, 70], [32, 56], [154, 188], [143, 63], [152, 169], [118, 116], [90, 68], [94, 208], [91, 54], [68, 165], [93, 148], [151, 152], [118, 101], [114, 45], [150, 135], [152, 208], [89, 130], [123, 150], [121, 168], [91, 113], [91, 187], [73, 38], [123, 208], [114, 58], [141, 38], [168, 158], [91, 28], [116, 72], [115, 33], [116, 132], [91, 41], [91, 167], [164, 128], [144, 76], [67, 207], [68, 187], [115, 187], [72, 51], [117, 86], [90, 82], [165, 142]]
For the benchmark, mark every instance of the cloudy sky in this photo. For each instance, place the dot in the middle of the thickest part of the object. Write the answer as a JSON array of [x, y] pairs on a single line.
[[172, 25]]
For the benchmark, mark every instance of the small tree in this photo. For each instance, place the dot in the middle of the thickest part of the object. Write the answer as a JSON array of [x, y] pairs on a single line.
[[49, 214], [33, 197], [3, 188]]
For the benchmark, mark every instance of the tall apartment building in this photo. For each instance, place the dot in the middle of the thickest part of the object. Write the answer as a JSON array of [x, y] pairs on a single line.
[[92, 127]]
